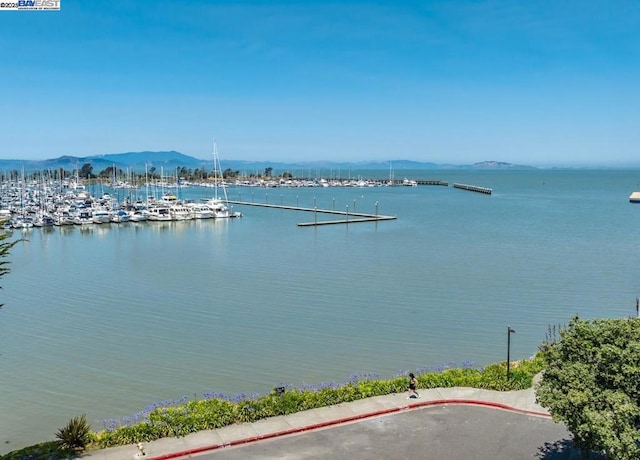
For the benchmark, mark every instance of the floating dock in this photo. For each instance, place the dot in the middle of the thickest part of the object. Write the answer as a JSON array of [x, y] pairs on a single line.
[[474, 188], [349, 217]]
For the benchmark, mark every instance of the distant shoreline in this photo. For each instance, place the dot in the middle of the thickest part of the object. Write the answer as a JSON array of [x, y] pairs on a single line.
[[170, 160]]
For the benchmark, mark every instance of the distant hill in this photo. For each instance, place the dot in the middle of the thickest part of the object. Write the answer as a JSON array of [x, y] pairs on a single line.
[[132, 161], [170, 160], [499, 165]]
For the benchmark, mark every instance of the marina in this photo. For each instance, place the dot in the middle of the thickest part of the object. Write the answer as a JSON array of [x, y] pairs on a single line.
[[40, 202], [26, 207], [44, 199]]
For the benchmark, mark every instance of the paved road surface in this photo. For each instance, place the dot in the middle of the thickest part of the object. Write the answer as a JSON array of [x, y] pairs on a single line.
[[438, 432]]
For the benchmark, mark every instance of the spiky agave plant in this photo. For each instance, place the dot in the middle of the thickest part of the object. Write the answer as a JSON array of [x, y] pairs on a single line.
[[75, 434]]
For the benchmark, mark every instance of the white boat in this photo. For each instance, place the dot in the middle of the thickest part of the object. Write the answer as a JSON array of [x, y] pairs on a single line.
[[83, 217], [139, 215], [634, 197], [119, 216], [176, 210], [168, 199], [216, 204], [5, 215], [160, 213], [180, 212], [101, 216], [43, 220], [200, 211], [62, 218], [22, 222]]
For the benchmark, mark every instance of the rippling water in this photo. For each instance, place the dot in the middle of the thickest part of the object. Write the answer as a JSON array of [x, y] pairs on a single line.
[[107, 319]]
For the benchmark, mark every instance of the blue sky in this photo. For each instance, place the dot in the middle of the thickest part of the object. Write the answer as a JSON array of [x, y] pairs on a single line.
[[528, 82]]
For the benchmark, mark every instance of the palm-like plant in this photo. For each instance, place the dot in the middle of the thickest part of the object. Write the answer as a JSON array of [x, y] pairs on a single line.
[[75, 434]]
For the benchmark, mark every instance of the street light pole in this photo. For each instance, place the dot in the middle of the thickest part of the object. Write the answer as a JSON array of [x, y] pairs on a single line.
[[509, 331]]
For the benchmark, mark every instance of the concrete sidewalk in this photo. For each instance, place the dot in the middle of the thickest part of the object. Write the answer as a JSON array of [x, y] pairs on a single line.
[[522, 401]]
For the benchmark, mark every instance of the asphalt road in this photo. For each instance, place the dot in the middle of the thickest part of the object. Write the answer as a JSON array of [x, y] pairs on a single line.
[[439, 432]]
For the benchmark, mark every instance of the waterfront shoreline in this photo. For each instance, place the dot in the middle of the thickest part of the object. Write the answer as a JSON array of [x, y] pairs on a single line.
[[242, 305]]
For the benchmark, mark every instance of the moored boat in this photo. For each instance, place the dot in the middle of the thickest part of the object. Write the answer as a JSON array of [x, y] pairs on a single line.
[[217, 206], [159, 213], [22, 222], [83, 217], [62, 218], [139, 215], [43, 220], [119, 216], [101, 216], [199, 211], [5, 215], [180, 212]]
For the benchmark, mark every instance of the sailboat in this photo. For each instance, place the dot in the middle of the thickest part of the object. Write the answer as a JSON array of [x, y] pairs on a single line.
[[219, 206]]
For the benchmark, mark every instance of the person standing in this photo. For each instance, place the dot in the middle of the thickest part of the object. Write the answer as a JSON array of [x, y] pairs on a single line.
[[413, 384]]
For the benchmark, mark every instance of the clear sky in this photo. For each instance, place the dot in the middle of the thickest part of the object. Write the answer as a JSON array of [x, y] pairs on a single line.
[[548, 82]]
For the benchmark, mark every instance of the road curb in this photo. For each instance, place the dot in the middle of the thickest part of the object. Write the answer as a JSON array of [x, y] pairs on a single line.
[[316, 426]]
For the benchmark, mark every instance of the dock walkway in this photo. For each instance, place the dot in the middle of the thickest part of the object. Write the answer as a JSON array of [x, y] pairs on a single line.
[[350, 217]]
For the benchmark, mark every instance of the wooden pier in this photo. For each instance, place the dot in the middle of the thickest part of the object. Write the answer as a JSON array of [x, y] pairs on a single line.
[[474, 188], [349, 217]]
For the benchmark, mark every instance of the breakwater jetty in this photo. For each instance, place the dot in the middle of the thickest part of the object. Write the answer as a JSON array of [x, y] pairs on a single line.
[[323, 182], [346, 216], [474, 188], [427, 182]]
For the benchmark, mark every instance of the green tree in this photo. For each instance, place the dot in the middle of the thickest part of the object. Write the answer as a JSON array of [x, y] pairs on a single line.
[[5, 247], [229, 173], [268, 171], [86, 172], [591, 383], [110, 172]]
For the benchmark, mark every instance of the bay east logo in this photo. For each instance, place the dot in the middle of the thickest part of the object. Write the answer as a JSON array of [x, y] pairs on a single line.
[[37, 5]]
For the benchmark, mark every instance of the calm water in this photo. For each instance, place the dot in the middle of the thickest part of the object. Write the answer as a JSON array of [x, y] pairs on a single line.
[[107, 319]]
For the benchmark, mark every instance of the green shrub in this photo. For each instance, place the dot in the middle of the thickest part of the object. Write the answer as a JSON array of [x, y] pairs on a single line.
[[76, 434], [141, 432], [51, 450]]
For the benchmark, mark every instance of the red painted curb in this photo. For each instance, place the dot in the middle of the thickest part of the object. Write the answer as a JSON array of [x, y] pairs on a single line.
[[315, 426]]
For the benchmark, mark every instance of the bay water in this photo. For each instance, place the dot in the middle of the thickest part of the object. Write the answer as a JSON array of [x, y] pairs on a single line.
[[107, 319]]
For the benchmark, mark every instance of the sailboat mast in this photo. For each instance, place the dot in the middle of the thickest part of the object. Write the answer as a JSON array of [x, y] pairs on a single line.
[[215, 169]]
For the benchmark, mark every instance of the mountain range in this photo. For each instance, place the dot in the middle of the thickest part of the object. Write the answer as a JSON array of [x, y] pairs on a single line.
[[170, 160]]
